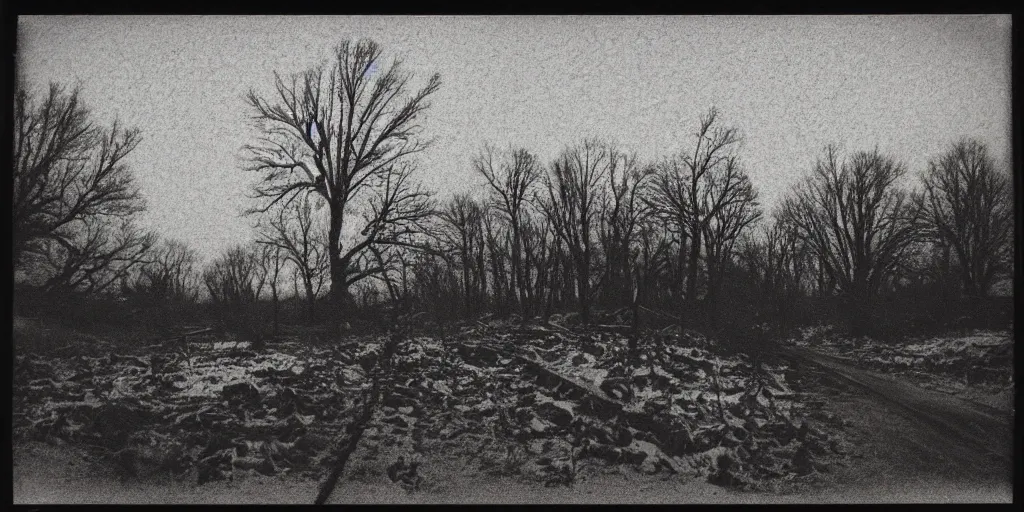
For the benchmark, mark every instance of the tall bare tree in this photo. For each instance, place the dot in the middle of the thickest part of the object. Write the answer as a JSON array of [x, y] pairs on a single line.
[[462, 229], [572, 204], [968, 207], [235, 282], [856, 219], [775, 256], [684, 191], [235, 277], [345, 130], [496, 237], [270, 260], [100, 253], [732, 203], [621, 213], [511, 176]]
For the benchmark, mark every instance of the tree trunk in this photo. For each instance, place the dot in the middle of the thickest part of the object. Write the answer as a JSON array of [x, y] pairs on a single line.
[[277, 308], [584, 298], [712, 300], [338, 287], [859, 305], [310, 301], [467, 285], [690, 299]]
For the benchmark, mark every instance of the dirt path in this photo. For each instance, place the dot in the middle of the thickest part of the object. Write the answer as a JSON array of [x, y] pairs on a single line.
[[913, 441]]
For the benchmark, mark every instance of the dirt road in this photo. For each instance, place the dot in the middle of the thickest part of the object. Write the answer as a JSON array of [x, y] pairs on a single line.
[[913, 441]]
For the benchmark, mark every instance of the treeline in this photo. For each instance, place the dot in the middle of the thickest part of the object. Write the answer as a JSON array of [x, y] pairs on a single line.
[[686, 238], [341, 225]]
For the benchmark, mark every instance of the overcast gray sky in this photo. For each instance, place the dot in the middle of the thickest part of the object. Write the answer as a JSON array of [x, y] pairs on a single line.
[[908, 84]]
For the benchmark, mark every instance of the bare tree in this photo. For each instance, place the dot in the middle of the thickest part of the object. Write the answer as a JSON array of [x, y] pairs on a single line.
[[967, 207], [235, 277], [169, 274], [684, 191], [296, 229], [74, 197], [857, 221], [270, 261], [776, 257], [572, 204], [462, 230], [496, 237], [621, 213], [536, 245], [345, 131], [732, 201], [100, 253], [511, 180], [651, 259]]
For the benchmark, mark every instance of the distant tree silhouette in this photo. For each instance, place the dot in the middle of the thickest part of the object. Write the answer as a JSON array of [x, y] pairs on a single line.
[[575, 187], [968, 208], [297, 230], [856, 219], [511, 177]]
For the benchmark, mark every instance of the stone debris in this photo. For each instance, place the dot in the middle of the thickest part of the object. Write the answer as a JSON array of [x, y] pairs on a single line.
[[535, 400]]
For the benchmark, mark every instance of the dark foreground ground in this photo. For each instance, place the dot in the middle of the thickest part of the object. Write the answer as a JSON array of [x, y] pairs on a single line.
[[910, 445]]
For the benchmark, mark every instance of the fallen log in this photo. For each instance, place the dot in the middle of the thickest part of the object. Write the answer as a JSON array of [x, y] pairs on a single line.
[[592, 394], [193, 333], [587, 388], [181, 338], [618, 329]]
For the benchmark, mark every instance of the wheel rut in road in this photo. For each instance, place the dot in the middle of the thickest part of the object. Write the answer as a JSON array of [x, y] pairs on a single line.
[[983, 428]]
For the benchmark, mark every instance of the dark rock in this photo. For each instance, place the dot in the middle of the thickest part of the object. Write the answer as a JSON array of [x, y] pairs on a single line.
[[604, 451], [367, 360], [571, 319], [740, 433], [617, 388], [523, 415], [241, 392], [803, 462], [395, 401], [266, 468], [595, 349], [115, 422], [600, 434], [555, 413], [396, 420], [801, 434], [396, 469], [729, 440], [634, 456], [623, 437], [678, 442], [526, 399]]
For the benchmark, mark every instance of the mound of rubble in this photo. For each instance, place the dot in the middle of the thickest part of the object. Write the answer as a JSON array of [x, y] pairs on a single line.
[[540, 402]]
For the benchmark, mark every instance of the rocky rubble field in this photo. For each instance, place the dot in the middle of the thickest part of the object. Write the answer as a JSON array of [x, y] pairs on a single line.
[[542, 403], [977, 365]]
